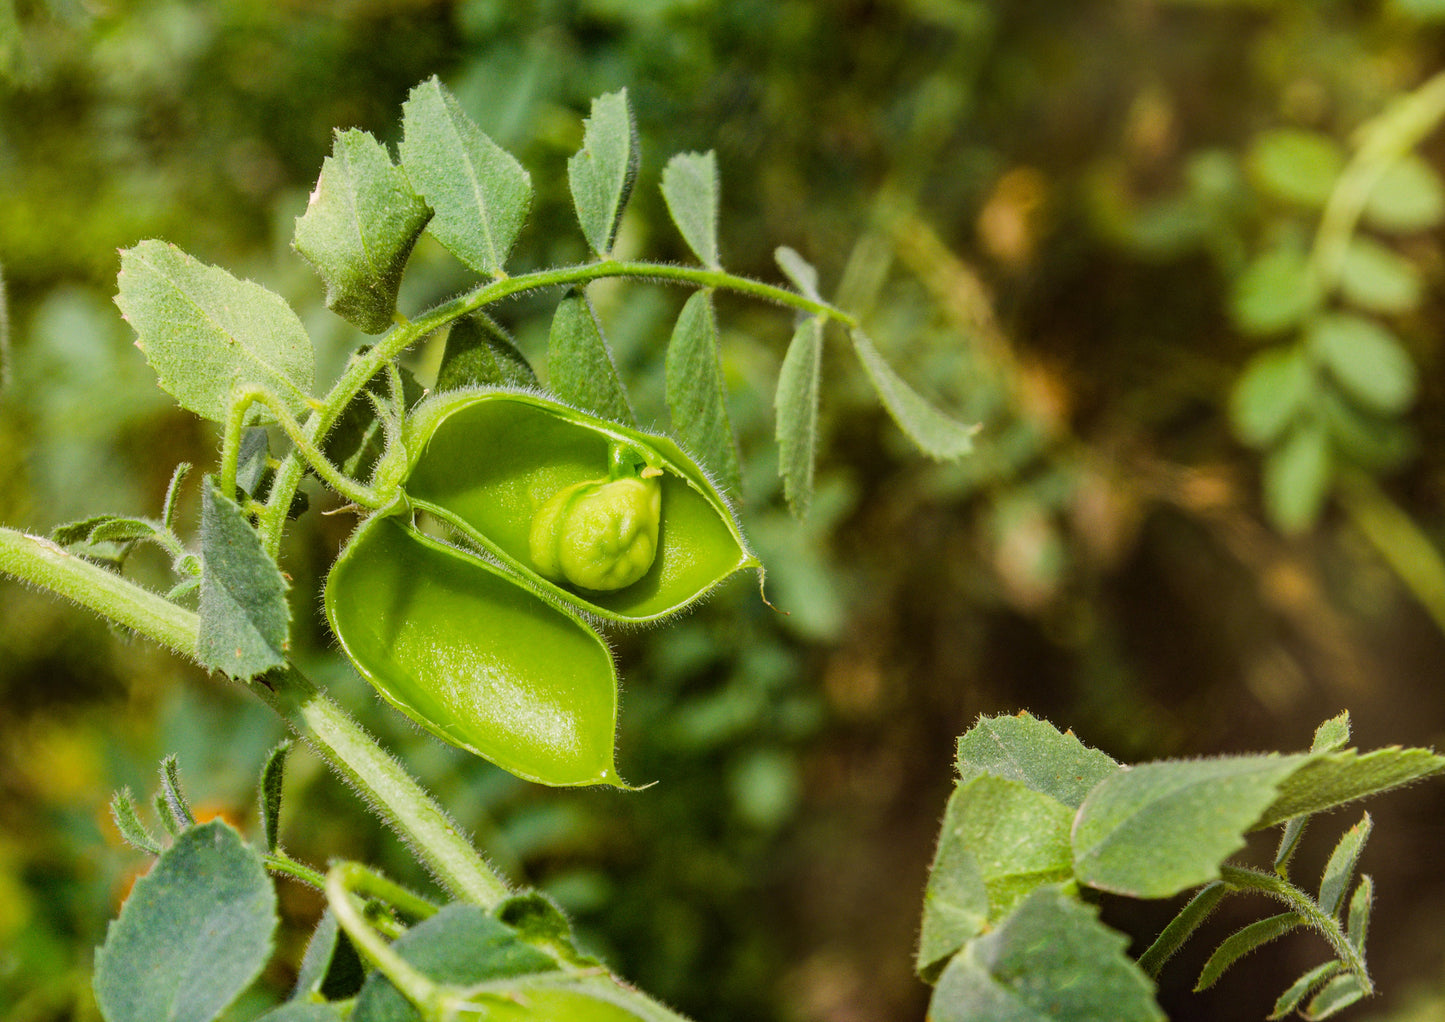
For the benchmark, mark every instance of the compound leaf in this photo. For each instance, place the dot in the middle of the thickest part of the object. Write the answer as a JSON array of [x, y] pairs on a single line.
[[1033, 752], [602, 173], [194, 933], [359, 228], [690, 188], [206, 333], [243, 610], [579, 362], [696, 394], [479, 192], [796, 404]]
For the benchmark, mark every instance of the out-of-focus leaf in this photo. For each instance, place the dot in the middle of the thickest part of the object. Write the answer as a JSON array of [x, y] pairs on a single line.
[[1295, 165], [798, 270], [1367, 361], [243, 610], [359, 228], [1297, 477], [1033, 752], [1160, 828], [1275, 386], [796, 405], [580, 369], [1378, 278], [690, 188], [480, 352], [206, 333], [1275, 292], [932, 432], [601, 175], [1409, 196], [193, 934], [1050, 960], [479, 192], [695, 391], [1340, 777]]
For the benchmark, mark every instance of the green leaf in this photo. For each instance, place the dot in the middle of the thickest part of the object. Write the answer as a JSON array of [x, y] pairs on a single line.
[[1367, 360], [696, 394], [796, 404], [206, 333], [480, 352], [1297, 477], [1274, 388], [104, 529], [1303, 987], [1242, 942], [125, 812], [1340, 869], [1050, 960], [331, 968], [689, 186], [1182, 927], [601, 175], [1376, 441], [460, 945], [175, 797], [253, 471], [1295, 165], [1160, 828], [273, 775], [1409, 197], [1357, 927], [1033, 752], [1337, 995], [479, 192], [173, 494], [1275, 292], [1332, 734], [932, 432], [359, 228], [1000, 834], [302, 1011], [579, 362], [1326, 782], [799, 271], [194, 933], [243, 610], [539, 921], [1378, 278]]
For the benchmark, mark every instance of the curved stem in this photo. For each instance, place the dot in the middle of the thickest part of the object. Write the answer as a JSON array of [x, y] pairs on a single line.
[[343, 881], [407, 332], [1326, 925], [279, 862]]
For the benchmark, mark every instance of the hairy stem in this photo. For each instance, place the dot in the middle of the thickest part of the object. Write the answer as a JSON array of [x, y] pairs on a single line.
[[343, 882]]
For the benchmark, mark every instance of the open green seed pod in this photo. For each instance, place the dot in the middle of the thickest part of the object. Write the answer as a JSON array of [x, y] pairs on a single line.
[[482, 662], [534, 482]]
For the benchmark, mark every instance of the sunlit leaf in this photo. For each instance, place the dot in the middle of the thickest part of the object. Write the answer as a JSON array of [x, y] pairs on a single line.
[[1295, 165], [1409, 196], [601, 175], [1332, 780], [1275, 292], [1023, 748], [1275, 387], [480, 353]]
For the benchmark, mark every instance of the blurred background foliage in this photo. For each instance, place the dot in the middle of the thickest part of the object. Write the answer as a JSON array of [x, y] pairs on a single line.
[[1205, 512]]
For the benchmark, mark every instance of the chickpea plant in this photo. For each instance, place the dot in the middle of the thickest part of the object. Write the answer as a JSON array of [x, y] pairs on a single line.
[[500, 526]]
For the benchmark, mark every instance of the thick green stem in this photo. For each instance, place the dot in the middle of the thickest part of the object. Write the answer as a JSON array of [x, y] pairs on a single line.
[[390, 791], [1326, 925], [365, 366]]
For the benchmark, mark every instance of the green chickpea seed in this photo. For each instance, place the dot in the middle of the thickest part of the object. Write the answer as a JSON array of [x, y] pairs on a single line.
[[599, 534]]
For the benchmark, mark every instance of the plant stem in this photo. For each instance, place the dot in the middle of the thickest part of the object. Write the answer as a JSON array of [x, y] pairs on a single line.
[[1308, 909], [365, 366], [387, 788], [341, 881]]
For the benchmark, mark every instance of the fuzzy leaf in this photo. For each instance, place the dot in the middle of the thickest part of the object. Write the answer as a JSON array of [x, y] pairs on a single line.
[[273, 774], [194, 933], [480, 352], [1274, 387], [580, 369], [1242, 942], [690, 188], [601, 175], [1340, 869], [1156, 829], [1332, 735], [175, 796], [932, 432], [1181, 927], [696, 394], [479, 192], [998, 834], [173, 494], [243, 610], [1379, 279], [796, 404], [1050, 960], [1329, 781], [1303, 987], [1368, 361], [1409, 197], [1297, 477], [1357, 925], [1337, 995], [798, 270], [540, 923], [206, 333], [127, 820], [104, 529], [359, 228], [1033, 752]]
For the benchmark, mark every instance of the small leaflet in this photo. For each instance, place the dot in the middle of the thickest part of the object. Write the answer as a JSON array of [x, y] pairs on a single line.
[[932, 432], [480, 353], [1297, 476], [206, 333], [479, 192], [273, 774], [798, 270], [359, 228], [243, 610], [579, 362], [689, 185], [602, 173], [1339, 777], [796, 405], [1366, 360], [695, 391]]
